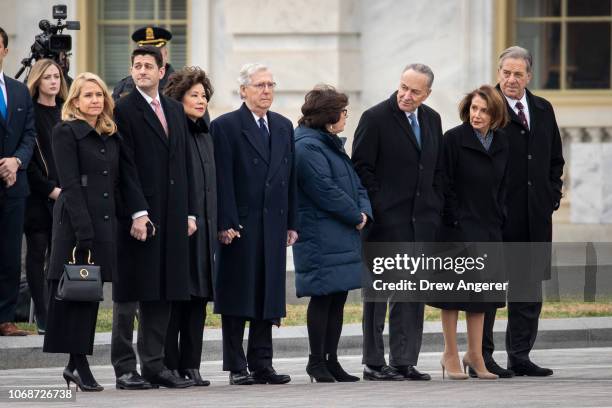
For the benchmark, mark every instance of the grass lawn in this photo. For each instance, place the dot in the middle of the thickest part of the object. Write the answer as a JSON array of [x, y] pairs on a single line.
[[296, 314]]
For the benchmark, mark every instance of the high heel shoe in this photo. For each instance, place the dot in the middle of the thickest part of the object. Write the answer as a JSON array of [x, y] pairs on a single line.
[[483, 375], [317, 369], [452, 375], [336, 370], [69, 376]]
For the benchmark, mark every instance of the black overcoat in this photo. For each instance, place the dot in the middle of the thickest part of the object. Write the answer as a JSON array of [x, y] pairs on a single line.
[[157, 269], [87, 165], [204, 243], [404, 182], [534, 176], [256, 195], [475, 186]]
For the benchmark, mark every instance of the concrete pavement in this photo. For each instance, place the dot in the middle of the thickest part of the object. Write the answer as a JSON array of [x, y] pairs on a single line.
[[583, 378]]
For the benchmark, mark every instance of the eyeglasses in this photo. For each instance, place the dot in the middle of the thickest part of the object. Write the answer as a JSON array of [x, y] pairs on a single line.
[[262, 85], [345, 112]]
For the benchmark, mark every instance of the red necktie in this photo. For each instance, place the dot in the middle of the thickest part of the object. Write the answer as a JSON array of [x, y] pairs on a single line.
[[160, 114], [521, 115]]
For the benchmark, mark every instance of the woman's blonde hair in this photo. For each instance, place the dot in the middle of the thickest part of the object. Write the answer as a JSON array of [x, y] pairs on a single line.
[[36, 74], [105, 123]]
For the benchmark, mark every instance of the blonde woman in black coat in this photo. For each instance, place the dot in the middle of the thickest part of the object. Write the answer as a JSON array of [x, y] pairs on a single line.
[[86, 149]]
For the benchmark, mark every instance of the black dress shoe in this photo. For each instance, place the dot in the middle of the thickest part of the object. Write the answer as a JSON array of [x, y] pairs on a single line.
[[194, 375], [165, 378], [269, 376], [132, 381], [241, 377], [410, 372], [530, 369], [386, 373], [494, 368]]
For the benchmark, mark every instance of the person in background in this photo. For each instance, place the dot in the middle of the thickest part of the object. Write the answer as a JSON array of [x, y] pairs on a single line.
[[333, 207], [183, 351], [48, 90]]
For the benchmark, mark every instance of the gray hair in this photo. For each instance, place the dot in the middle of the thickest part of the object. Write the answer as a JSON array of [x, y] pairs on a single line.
[[247, 70], [422, 69], [516, 52]]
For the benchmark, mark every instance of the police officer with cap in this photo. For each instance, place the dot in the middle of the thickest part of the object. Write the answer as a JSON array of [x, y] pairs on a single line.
[[150, 35]]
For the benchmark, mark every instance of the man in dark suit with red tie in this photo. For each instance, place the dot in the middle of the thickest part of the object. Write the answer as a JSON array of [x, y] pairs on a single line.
[[254, 152], [17, 138], [155, 221], [534, 186]]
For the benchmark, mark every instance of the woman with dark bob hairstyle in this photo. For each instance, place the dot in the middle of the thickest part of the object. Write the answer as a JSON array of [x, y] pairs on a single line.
[[333, 207], [183, 350], [476, 158]]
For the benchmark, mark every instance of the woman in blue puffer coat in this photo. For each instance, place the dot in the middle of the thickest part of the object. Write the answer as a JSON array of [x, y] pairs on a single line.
[[333, 207]]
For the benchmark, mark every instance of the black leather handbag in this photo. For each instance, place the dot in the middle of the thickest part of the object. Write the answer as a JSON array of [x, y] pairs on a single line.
[[80, 283]]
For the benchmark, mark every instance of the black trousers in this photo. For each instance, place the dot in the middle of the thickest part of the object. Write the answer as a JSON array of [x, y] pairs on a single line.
[[71, 326], [405, 332], [37, 259], [11, 232], [324, 322], [522, 329], [259, 348], [152, 329], [185, 331], [123, 356]]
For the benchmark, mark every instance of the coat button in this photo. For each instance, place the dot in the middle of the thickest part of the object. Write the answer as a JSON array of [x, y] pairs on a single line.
[[528, 157], [285, 160], [102, 150], [267, 184], [283, 183], [529, 183], [421, 167], [418, 193], [522, 132], [413, 219], [282, 211], [265, 210], [106, 218], [105, 173], [105, 195], [171, 181], [255, 160]]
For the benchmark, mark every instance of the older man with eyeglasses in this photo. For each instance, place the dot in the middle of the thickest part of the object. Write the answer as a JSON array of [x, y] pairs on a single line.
[[254, 152]]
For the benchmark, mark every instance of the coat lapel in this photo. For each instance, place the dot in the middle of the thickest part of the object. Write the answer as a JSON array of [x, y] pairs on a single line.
[[401, 118], [469, 139], [172, 115], [278, 142], [251, 132], [150, 117], [11, 102]]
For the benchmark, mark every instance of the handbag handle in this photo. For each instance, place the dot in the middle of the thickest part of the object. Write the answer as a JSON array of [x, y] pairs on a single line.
[[74, 257]]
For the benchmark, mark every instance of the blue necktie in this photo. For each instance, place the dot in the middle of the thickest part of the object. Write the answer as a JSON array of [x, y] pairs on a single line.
[[415, 128], [264, 132], [2, 105]]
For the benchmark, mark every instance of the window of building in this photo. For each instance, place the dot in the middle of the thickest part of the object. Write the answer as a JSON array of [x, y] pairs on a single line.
[[118, 19], [569, 39]]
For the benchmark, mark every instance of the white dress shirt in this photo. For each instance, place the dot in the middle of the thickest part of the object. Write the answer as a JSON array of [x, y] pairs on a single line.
[[3, 88]]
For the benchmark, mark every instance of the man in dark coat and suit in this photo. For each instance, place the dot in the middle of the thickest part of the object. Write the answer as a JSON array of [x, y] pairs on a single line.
[[153, 267], [254, 153], [397, 153], [534, 193], [17, 138]]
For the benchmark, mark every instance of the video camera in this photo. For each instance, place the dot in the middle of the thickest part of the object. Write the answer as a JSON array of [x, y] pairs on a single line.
[[51, 43]]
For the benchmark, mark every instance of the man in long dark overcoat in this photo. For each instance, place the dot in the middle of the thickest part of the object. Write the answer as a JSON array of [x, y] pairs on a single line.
[[153, 266], [534, 193], [397, 153], [254, 153]]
